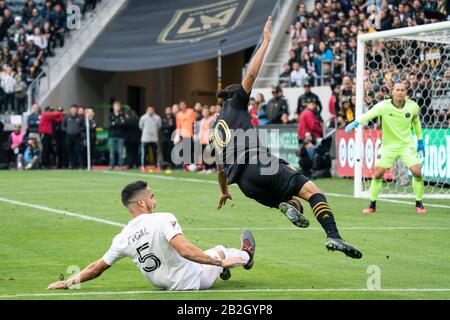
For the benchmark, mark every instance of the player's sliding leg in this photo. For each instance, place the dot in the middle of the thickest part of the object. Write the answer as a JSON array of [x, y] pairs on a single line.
[[418, 187], [322, 211], [247, 252], [375, 189]]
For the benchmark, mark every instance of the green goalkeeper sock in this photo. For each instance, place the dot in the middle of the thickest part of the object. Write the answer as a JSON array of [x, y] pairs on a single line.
[[418, 187], [375, 188]]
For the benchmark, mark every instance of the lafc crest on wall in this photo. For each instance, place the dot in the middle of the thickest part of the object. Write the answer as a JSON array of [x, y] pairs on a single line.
[[194, 24]]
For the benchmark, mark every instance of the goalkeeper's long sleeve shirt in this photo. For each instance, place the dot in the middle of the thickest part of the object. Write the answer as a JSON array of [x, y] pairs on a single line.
[[396, 123]]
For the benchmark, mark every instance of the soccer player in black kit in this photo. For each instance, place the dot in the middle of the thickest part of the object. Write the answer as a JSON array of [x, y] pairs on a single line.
[[261, 176]]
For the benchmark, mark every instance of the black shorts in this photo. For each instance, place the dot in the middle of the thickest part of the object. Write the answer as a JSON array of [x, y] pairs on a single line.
[[271, 189]]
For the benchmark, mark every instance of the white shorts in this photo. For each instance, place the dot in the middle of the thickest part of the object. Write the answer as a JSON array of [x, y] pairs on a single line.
[[210, 273]]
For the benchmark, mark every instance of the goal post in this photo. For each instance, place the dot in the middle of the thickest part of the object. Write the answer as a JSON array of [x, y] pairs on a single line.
[[419, 56]]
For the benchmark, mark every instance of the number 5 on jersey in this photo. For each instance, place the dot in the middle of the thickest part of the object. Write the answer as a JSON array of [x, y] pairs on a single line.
[[149, 261]]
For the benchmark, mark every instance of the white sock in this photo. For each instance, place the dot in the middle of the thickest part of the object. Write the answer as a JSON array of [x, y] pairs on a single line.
[[234, 253]]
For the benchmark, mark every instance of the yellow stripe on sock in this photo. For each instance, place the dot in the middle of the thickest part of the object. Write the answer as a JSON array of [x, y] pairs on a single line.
[[319, 204], [322, 210]]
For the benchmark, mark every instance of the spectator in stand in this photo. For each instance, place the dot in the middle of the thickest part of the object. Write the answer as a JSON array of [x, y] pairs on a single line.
[[27, 11], [285, 76], [8, 18], [332, 103], [310, 67], [253, 110], [306, 153], [116, 136], [36, 19], [29, 159], [47, 9], [185, 129], [324, 59], [302, 101], [298, 75], [276, 106], [40, 40], [90, 113], [309, 122], [313, 29], [58, 20], [73, 128], [261, 110], [302, 14], [83, 145], [292, 58], [15, 140], [47, 121], [33, 123], [8, 83], [185, 121], [285, 119], [198, 111], [175, 109], [132, 138], [59, 137], [298, 36], [346, 113], [205, 125], [15, 28], [20, 91], [168, 127], [150, 124]]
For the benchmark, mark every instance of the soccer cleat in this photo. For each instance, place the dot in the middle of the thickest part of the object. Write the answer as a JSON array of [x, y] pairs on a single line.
[[334, 244], [421, 210], [248, 245], [226, 274], [369, 210], [293, 213]]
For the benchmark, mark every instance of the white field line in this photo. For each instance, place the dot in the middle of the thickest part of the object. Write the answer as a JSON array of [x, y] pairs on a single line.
[[61, 212], [64, 294], [121, 225], [338, 195]]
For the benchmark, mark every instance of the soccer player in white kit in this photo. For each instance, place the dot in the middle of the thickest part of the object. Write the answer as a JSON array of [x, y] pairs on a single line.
[[155, 242]]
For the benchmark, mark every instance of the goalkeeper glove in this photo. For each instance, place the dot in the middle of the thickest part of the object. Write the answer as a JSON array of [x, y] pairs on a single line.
[[421, 147], [351, 126]]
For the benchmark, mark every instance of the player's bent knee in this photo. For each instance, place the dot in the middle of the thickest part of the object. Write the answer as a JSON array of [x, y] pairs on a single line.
[[379, 173], [220, 249], [308, 190], [416, 171]]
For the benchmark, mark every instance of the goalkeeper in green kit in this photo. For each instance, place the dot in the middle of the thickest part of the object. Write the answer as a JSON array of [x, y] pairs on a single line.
[[398, 115]]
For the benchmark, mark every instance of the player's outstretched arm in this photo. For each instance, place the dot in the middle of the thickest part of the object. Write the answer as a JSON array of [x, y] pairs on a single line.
[[369, 115], [255, 64], [92, 271], [223, 183], [417, 126], [351, 126], [188, 251]]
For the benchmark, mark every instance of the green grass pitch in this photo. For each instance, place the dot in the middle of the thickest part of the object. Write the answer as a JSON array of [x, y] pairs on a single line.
[[36, 246]]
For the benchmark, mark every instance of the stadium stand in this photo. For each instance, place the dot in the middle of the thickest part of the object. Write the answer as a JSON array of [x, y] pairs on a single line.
[[323, 42], [30, 31]]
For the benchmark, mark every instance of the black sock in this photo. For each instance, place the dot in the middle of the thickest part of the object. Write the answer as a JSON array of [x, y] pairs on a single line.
[[419, 204], [323, 214], [373, 205]]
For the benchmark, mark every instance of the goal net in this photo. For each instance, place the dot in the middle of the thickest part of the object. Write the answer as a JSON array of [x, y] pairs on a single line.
[[420, 58]]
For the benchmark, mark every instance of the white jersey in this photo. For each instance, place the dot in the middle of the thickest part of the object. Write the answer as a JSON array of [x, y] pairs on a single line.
[[146, 240]]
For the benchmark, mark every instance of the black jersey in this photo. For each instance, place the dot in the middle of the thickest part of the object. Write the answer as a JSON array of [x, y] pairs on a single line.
[[234, 136]]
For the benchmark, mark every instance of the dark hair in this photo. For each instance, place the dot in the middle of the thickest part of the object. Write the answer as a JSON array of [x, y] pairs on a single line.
[[228, 92], [130, 190]]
